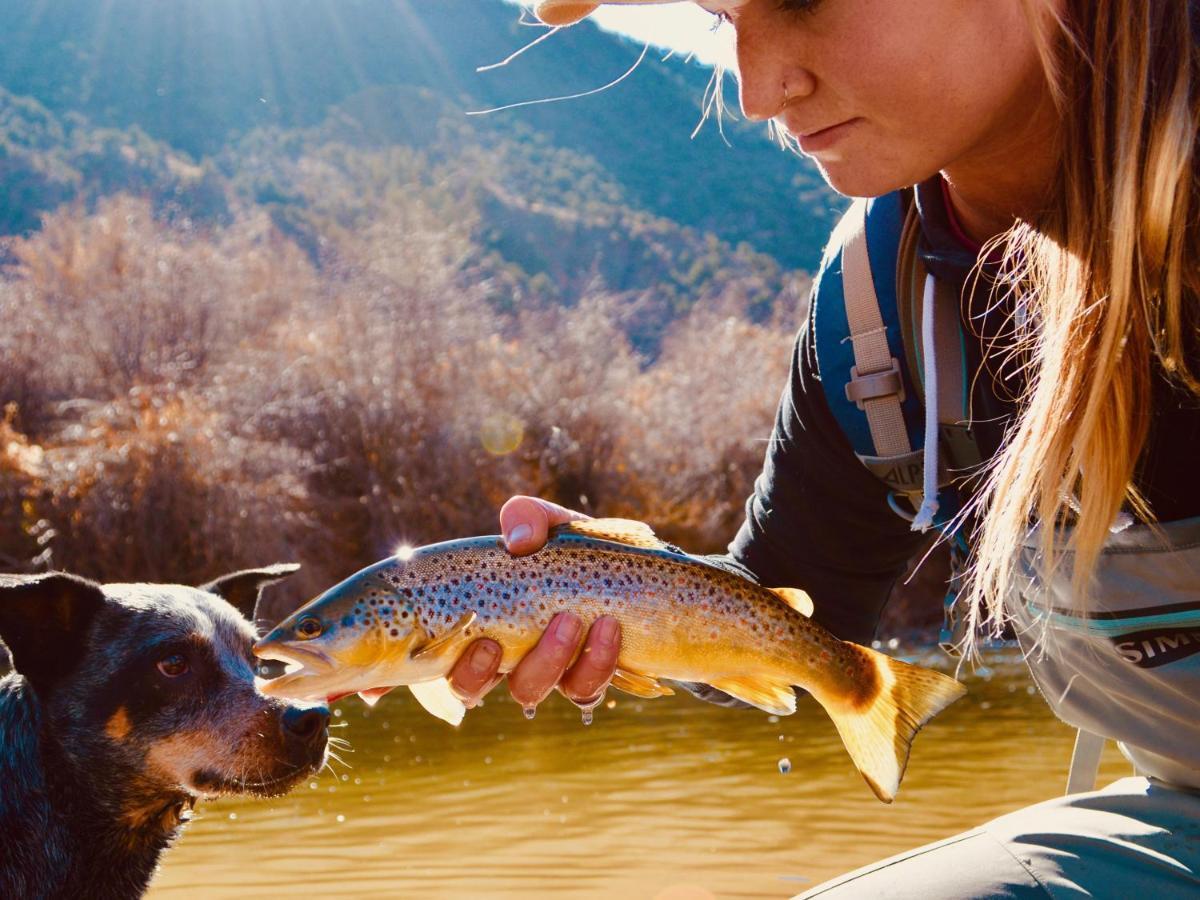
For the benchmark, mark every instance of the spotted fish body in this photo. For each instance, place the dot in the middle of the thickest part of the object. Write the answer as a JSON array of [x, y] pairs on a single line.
[[407, 620]]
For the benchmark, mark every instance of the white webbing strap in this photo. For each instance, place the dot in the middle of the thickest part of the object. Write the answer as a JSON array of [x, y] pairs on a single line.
[[1085, 762], [923, 521], [875, 379]]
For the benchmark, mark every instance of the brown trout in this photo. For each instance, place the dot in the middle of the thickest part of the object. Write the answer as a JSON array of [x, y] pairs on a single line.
[[405, 621]]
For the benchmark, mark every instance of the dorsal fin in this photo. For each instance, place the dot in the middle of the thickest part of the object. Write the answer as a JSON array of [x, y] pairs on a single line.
[[795, 598], [621, 531]]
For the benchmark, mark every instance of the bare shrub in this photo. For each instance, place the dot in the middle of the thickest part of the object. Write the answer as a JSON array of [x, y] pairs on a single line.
[[697, 425], [21, 473], [191, 402], [561, 383], [154, 484], [115, 300]]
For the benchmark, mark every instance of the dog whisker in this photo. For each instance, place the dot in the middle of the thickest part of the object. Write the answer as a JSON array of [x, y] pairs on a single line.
[[333, 755]]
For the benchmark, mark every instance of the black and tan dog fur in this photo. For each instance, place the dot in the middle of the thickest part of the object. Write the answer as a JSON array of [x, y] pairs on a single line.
[[128, 703]]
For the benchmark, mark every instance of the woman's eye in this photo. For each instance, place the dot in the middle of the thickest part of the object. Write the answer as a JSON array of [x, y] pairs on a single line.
[[174, 665]]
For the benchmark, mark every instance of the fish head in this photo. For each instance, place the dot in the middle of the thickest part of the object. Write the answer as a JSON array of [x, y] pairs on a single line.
[[354, 637]]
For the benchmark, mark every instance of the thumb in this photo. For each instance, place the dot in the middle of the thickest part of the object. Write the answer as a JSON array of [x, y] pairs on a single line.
[[525, 522]]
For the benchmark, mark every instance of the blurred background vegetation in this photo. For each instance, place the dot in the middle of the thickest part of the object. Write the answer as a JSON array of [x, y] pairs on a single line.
[[268, 294]]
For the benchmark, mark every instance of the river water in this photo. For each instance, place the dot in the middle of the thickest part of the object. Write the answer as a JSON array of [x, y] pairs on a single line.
[[668, 799]]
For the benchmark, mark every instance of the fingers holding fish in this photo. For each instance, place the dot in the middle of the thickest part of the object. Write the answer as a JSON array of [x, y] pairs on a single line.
[[476, 672], [525, 522], [536, 675], [589, 677]]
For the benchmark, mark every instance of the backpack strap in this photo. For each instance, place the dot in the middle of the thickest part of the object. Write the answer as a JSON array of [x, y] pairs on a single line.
[[1085, 762], [960, 453], [875, 385], [859, 344]]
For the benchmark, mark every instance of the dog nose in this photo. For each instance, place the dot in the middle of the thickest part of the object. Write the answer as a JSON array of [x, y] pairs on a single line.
[[306, 724]]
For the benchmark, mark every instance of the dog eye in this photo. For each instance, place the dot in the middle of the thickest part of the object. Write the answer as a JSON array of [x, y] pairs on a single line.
[[308, 628], [174, 665]]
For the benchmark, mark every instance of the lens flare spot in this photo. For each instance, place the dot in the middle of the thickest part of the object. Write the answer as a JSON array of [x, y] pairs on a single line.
[[501, 433], [404, 552]]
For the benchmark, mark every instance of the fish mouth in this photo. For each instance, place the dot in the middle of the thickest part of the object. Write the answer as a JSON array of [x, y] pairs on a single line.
[[302, 666]]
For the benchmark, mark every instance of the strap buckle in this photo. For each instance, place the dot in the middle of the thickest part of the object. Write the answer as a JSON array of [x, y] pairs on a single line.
[[884, 383]]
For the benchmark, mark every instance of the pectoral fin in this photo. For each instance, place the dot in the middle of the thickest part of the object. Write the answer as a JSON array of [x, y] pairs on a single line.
[[639, 685], [772, 696], [371, 696], [438, 699], [796, 599], [448, 642]]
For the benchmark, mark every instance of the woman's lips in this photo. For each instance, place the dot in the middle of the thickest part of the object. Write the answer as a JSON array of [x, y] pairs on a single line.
[[813, 142]]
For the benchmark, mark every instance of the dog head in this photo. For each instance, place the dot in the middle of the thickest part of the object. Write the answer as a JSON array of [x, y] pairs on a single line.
[[152, 686]]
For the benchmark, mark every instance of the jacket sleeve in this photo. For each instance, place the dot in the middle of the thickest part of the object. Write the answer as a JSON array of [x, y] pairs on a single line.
[[818, 519]]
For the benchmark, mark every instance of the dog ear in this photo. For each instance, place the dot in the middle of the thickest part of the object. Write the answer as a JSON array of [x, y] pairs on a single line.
[[243, 589], [44, 621]]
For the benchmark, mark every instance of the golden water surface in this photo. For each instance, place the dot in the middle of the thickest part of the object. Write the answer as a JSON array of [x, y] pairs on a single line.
[[668, 798]]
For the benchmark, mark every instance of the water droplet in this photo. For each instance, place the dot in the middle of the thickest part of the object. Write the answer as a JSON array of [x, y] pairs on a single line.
[[530, 711], [586, 714], [341, 818], [233, 815], [785, 766]]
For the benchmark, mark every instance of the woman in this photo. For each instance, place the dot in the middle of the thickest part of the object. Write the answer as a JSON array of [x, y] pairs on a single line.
[[1046, 148]]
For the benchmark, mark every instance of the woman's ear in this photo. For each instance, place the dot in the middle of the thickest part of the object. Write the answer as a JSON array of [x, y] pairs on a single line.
[[44, 622], [243, 589]]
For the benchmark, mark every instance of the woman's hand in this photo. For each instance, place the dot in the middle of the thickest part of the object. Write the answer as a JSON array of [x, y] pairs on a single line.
[[526, 523]]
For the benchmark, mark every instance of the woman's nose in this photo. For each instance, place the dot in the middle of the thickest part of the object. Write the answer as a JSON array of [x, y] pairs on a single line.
[[767, 78]]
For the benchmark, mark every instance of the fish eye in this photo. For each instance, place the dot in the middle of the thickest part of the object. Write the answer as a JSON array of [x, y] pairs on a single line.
[[308, 628], [174, 665]]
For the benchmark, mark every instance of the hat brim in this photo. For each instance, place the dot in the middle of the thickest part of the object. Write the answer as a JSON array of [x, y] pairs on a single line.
[[568, 12]]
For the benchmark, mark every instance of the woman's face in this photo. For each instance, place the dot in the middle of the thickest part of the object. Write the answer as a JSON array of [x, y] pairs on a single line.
[[884, 93]]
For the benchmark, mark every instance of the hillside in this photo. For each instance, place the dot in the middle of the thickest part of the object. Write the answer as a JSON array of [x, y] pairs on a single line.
[[197, 80]]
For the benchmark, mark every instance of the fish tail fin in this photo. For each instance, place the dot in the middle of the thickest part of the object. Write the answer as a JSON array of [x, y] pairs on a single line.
[[878, 727]]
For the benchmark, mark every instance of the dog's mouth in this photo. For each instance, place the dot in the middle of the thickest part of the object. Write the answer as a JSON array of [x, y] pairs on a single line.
[[212, 783]]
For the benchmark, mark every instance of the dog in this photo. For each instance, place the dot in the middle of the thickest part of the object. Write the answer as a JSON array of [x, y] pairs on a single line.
[[128, 704]]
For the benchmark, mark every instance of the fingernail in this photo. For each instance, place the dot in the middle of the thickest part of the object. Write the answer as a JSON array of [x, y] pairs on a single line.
[[519, 534], [483, 659], [607, 632], [566, 629]]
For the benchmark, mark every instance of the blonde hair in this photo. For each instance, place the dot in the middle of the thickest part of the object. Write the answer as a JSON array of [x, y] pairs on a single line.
[[1105, 285]]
